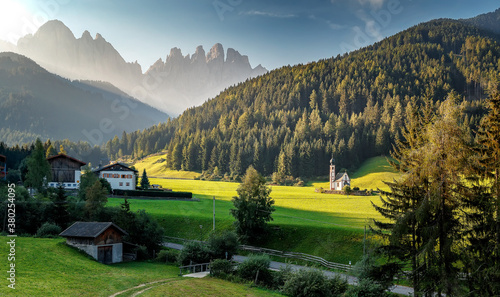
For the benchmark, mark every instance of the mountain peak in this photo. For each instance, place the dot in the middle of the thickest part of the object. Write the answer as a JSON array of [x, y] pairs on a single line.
[[216, 53]]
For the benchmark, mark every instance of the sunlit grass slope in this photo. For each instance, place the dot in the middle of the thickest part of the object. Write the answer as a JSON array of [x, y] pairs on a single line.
[[327, 225], [47, 267], [155, 166], [371, 175]]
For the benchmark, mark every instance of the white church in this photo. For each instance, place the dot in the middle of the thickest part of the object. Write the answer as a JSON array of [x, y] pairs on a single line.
[[338, 181]]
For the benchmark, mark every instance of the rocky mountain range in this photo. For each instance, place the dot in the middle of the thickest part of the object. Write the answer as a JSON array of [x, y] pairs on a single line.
[[172, 85]]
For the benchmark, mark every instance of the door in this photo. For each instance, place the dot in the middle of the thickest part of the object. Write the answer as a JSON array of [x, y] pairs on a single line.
[[105, 254]]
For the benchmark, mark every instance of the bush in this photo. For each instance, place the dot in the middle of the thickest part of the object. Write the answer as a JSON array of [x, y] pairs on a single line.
[[221, 268], [256, 264], [195, 252], [220, 243], [281, 276], [306, 283], [337, 286], [167, 256], [48, 230], [366, 288]]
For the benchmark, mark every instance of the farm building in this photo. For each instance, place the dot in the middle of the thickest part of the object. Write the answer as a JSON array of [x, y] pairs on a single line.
[[118, 175], [65, 171], [338, 181], [101, 240]]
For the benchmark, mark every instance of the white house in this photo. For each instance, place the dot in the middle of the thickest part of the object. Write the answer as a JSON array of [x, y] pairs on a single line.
[[118, 175]]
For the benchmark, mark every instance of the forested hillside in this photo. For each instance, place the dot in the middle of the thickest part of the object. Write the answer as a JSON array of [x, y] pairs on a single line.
[[37, 104], [293, 120]]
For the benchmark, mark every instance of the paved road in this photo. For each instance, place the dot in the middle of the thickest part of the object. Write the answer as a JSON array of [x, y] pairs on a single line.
[[407, 291]]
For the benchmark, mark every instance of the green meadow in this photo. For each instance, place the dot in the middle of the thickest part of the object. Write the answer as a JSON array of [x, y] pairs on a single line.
[[327, 225], [48, 267]]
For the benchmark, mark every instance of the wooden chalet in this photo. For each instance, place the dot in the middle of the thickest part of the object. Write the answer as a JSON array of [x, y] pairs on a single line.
[[101, 240], [65, 171]]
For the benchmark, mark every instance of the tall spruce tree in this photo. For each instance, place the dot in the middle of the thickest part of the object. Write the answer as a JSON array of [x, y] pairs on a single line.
[[483, 252], [38, 168], [253, 207], [423, 206], [145, 180]]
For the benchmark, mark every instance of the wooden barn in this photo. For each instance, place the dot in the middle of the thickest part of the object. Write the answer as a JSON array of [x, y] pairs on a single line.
[[65, 171], [101, 240]]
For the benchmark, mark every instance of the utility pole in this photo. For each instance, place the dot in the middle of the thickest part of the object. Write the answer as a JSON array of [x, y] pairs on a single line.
[[214, 213]]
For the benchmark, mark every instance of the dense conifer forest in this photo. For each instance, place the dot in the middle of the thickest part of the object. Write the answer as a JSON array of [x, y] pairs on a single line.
[[349, 107]]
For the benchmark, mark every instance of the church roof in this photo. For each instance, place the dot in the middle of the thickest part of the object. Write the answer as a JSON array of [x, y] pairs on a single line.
[[341, 175]]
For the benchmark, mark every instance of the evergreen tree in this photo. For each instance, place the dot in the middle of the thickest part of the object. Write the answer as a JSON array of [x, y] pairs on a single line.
[[423, 207], [144, 180], [62, 150], [96, 200], [50, 151], [483, 255], [39, 172], [253, 206]]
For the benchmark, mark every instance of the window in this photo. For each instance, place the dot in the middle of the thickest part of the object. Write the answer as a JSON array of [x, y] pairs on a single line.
[[128, 184], [123, 175], [121, 184]]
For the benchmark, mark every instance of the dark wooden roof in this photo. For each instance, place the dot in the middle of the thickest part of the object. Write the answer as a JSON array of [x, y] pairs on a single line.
[[66, 157], [115, 167], [89, 229], [340, 175]]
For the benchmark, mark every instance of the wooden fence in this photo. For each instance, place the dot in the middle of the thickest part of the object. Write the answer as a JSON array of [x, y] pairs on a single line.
[[193, 268], [300, 256], [292, 255]]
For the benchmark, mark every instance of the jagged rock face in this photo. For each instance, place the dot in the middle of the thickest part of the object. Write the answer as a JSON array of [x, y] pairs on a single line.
[[189, 81], [172, 86], [55, 48]]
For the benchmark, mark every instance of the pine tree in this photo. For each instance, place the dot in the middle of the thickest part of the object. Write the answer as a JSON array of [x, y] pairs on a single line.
[[50, 151], [62, 150], [253, 207], [144, 180], [96, 200], [39, 172]]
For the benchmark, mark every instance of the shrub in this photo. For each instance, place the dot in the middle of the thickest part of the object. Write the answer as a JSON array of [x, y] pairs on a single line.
[[195, 252], [337, 286], [306, 283], [220, 243], [281, 276], [366, 288], [167, 256], [48, 230], [256, 264], [221, 268]]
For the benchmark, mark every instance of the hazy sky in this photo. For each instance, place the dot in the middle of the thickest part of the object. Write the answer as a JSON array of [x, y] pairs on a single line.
[[271, 32]]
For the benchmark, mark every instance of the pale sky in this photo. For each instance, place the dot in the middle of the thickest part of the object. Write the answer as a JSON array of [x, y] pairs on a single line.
[[273, 33]]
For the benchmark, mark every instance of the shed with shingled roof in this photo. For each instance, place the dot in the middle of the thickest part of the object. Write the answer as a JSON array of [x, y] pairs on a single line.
[[101, 240]]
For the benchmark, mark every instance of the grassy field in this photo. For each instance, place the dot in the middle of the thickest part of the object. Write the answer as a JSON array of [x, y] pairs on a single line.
[[327, 225], [155, 167], [47, 267]]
